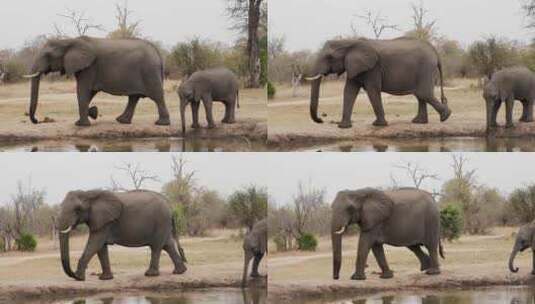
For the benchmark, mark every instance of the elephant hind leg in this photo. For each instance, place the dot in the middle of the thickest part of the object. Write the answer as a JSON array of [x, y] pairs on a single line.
[[442, 109], [154, 267], [171, 249], [256, 262], [421, 117], [435, 266], [104, 259], [163, 114], [128, 113], [425, 260]]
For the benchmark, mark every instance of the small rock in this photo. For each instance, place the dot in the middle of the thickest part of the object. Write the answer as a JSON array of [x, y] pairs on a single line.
[[48, 120], [323, 114]]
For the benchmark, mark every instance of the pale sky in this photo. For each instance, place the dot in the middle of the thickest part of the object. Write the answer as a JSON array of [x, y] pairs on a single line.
[[59, 173], [307, 24], [169, 21]]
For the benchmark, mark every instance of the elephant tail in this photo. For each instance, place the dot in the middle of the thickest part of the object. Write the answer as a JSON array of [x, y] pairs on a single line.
[[442, 96], [441, 249], [175, 236]]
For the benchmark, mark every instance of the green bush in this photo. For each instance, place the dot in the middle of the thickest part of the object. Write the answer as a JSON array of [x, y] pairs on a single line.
[[280, 243], [26, 242], [451, 222], [180, 219], [14, 70], [271, 90], [2, 245], [307, 242]]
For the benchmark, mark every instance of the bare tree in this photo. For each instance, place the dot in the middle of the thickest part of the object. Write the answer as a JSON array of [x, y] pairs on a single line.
[[459, 164], [307, 200], [80, 23], [424, 29], [247, 15], [529, 9], [126, 28], [416, 173], [138, 176], [377, 23]]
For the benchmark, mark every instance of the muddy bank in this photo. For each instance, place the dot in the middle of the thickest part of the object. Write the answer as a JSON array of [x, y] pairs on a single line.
[[287, 293], [32, 291]]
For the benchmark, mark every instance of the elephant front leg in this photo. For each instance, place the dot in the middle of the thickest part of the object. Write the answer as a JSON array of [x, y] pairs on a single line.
[[256, 263], [379, 253], [527, 111], [207, 101], [128, 113], [195, 114], [351, 91], [229, 113], [105, 264], [84, 99], [509, 113], [362, 255], [95, 243], [154, 267]]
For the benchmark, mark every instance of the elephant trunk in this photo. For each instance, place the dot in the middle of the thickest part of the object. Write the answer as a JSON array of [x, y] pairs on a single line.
[[512, 259], [34, 97], [65, 258], [183, 104], [337, 254], [314, 100]]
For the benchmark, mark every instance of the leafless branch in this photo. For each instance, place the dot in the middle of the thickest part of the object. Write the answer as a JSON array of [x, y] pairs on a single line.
[[137, 175], [376, 22], [79, 21], [417, 174]]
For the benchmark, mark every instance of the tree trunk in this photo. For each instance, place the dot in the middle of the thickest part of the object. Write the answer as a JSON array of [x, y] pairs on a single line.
[[252, 43]]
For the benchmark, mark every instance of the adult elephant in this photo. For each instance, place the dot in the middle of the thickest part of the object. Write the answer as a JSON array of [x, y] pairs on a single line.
[[405, 217], [525, 239], [217, 84], [133, 219], [399, 66], [125, 67], [254, 246]]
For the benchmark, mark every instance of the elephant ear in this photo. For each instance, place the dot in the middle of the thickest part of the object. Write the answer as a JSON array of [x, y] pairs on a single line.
[[376, 208], [359, 59], [79, 56], [105, 207]]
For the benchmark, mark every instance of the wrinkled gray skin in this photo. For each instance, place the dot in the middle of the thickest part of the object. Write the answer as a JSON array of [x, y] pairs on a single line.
[[218, 84], [506, 86], [401, 66], [525, 239], [132, 219], [125, 67], [405, 217], [254, 246]]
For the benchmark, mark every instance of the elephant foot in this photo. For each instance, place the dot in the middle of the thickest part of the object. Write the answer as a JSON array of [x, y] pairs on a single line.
[[180, 270], [79, 275], [163, 121], [380, 123], [420, 120], [432, 271], [105, 276], [195, 126], [509, 125], [345, 125], [526, 119], [124, 120], [83, 123], [211, 126], [228, 121], [358, 276], [152, 273], [93, 112], [445, 114], [387, 274], [426, 264]]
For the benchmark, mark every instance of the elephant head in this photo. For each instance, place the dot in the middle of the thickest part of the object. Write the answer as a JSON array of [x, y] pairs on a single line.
[[524, 240], [366, 207], [96, 208], [336, 57], [491, 96], [186, 93], [67, 56]]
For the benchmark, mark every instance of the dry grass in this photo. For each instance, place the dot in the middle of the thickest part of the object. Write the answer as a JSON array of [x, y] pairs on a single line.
[[289, 116], [58, 101]]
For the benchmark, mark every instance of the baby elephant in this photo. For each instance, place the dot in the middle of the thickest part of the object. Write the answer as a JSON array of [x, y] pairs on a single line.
[[254, 246], [524, 240], [508, 85], [218, 84], [132, 219]]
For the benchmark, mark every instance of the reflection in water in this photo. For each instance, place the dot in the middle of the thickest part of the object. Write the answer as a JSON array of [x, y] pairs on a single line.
[[494, 296], [139, 145], [454, 144], [245, 296]]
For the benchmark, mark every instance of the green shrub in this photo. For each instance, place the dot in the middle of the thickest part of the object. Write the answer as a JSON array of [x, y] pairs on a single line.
[[180, 219], [14, 70], [451, 222], [2, 245], [271, 90], [26, 242], [280, 243], [307, 242]]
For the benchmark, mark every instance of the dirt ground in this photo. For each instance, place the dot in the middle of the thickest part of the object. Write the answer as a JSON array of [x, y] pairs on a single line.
[[471, 261], [289, 118], [213, 262], [57, 101]]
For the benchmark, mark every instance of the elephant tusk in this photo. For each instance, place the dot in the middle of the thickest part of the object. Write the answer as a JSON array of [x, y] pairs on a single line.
[[67, 230], [313, 78], [32, 75], [341, 230]]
